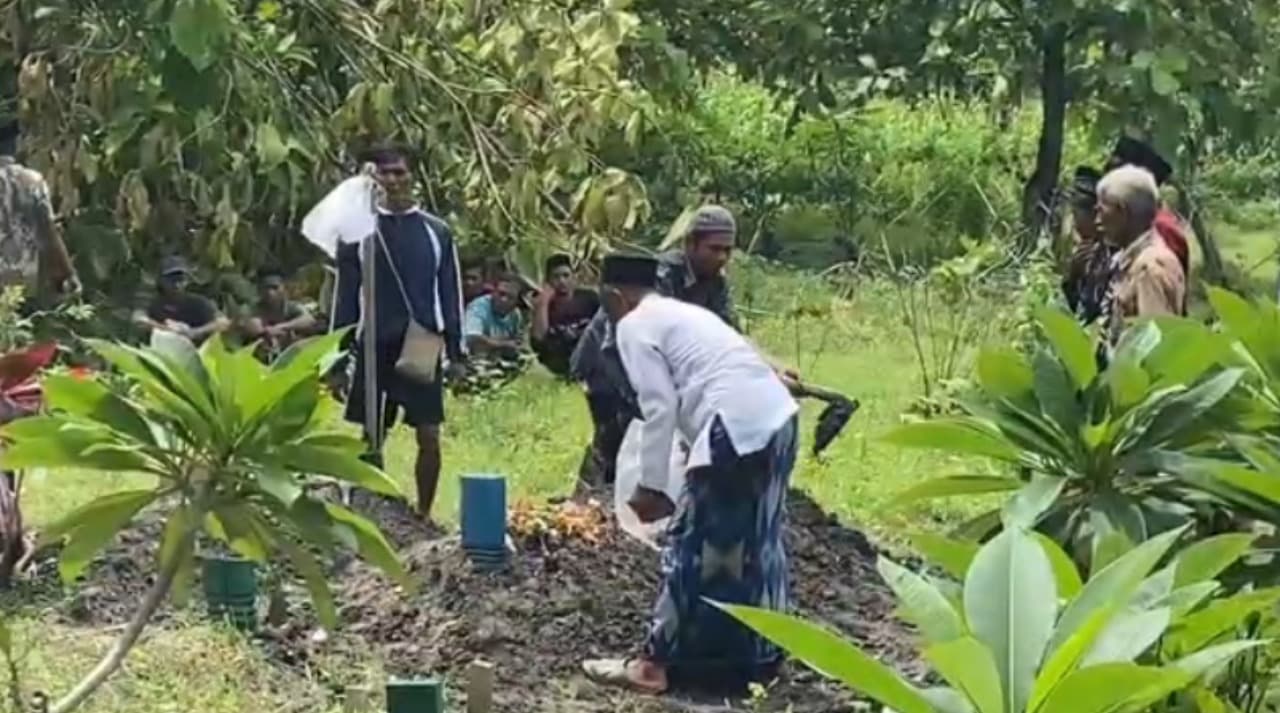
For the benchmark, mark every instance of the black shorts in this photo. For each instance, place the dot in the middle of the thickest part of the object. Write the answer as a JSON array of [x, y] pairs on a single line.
[[422, 404]]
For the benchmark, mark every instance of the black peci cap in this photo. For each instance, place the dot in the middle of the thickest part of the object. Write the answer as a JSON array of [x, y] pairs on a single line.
[[623, 270], [1131, 151]]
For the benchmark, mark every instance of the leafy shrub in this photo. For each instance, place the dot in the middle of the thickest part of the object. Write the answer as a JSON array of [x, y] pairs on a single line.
[[1023, 634], [1121, 449]]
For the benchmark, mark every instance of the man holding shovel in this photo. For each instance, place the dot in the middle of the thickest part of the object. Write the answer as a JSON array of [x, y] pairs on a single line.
[[695, 376], [417, 307]]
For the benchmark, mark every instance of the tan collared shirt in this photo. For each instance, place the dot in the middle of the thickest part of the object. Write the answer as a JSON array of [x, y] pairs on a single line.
[[1147, 281]]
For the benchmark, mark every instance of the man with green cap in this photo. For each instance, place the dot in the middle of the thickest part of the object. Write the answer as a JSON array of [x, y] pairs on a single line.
[[693, 273]]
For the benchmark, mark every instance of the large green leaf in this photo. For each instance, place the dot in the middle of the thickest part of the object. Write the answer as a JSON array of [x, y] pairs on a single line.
[[956, 485], [1205, 661], [1026, 506], [1182, 410], [342, 465], [1067, 657], [1111, 688], [178, 543], [1220, 617], [953, 556], [313, 576], [1128, 383], [920, 603], [1004, 373], [56, 441], [1056, 393], [1207, 558], [956, 435], [1065, 573], [1010, 603], [197, 28], [91, 527], [1116, 583], [372, 546], [968, 666], [1127, 636], [237, 525], [158, 387], [301, 362], [833, 657], [1070, 343], [90, 399]]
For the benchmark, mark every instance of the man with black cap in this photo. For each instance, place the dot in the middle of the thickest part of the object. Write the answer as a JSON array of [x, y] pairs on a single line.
[[32, 253], [696, 376], [174, 309], [1088, 270], [693, 273], [1132, 152]]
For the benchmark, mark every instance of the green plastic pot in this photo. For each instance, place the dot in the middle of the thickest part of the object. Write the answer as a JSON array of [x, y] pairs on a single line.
[[415, 696], [231, 590]]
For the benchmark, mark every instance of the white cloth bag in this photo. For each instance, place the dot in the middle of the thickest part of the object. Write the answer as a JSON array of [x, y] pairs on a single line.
[[628, 479]]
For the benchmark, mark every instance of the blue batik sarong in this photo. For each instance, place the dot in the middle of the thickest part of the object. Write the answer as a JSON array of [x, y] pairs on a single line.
[[725, 543]]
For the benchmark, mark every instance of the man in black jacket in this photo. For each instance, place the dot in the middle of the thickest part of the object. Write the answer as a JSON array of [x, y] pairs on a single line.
[[417, 278]]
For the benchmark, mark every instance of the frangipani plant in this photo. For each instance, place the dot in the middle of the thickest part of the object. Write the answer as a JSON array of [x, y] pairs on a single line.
[[227, 440]]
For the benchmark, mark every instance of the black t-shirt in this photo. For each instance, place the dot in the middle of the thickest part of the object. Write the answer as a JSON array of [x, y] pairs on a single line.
[[567, 320], [192, 310]]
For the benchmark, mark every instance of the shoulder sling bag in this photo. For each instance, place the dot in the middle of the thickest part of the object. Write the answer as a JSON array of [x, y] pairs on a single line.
[[420, 355]]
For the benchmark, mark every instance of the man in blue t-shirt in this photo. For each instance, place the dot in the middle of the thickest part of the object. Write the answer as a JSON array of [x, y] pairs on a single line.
[[417, 278]]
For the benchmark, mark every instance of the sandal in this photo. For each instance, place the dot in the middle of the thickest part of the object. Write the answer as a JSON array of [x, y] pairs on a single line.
[[621, 673]]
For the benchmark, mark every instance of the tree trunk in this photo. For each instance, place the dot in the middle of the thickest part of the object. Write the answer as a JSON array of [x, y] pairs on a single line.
[[1037, 195]]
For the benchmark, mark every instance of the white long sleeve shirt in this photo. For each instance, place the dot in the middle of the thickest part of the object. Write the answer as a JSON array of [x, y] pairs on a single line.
[[687, 367]]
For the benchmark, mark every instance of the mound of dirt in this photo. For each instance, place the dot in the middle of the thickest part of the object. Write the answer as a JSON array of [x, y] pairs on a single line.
[[557, 603]]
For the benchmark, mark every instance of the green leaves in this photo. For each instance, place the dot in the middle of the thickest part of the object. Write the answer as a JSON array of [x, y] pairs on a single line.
[[198, 29], [91, 527], [1071, 345], [920, 603], [1010, 603], [833, 657]]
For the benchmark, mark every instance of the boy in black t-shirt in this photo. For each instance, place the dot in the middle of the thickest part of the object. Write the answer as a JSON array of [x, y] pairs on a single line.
[[174, 309]]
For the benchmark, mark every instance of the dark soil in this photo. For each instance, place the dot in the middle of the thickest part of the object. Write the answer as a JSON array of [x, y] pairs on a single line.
[[538, 619]]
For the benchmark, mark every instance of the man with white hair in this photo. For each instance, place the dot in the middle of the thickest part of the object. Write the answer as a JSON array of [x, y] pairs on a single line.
[[1147, 278]]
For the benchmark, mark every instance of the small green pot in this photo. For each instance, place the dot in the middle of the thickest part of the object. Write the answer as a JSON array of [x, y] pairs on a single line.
[[417, 696], [231, 590]]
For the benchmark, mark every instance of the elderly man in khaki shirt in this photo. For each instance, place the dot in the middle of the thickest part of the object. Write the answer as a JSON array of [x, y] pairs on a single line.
[[1146, 277]]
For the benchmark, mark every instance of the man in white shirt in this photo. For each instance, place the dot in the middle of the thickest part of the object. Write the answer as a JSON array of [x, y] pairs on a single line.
[[693, 374]]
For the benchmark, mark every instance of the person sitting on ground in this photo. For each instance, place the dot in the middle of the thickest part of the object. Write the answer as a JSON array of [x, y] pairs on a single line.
[[32, 253], [561, 314], [473, 282], [175, 309], [1131, 152], [1146, 276], [494, 329], [493, 325], [277, 320], [1089, 268], [695, 375]]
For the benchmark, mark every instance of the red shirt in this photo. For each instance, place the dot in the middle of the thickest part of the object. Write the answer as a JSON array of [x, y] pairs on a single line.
[[1169, 226]]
